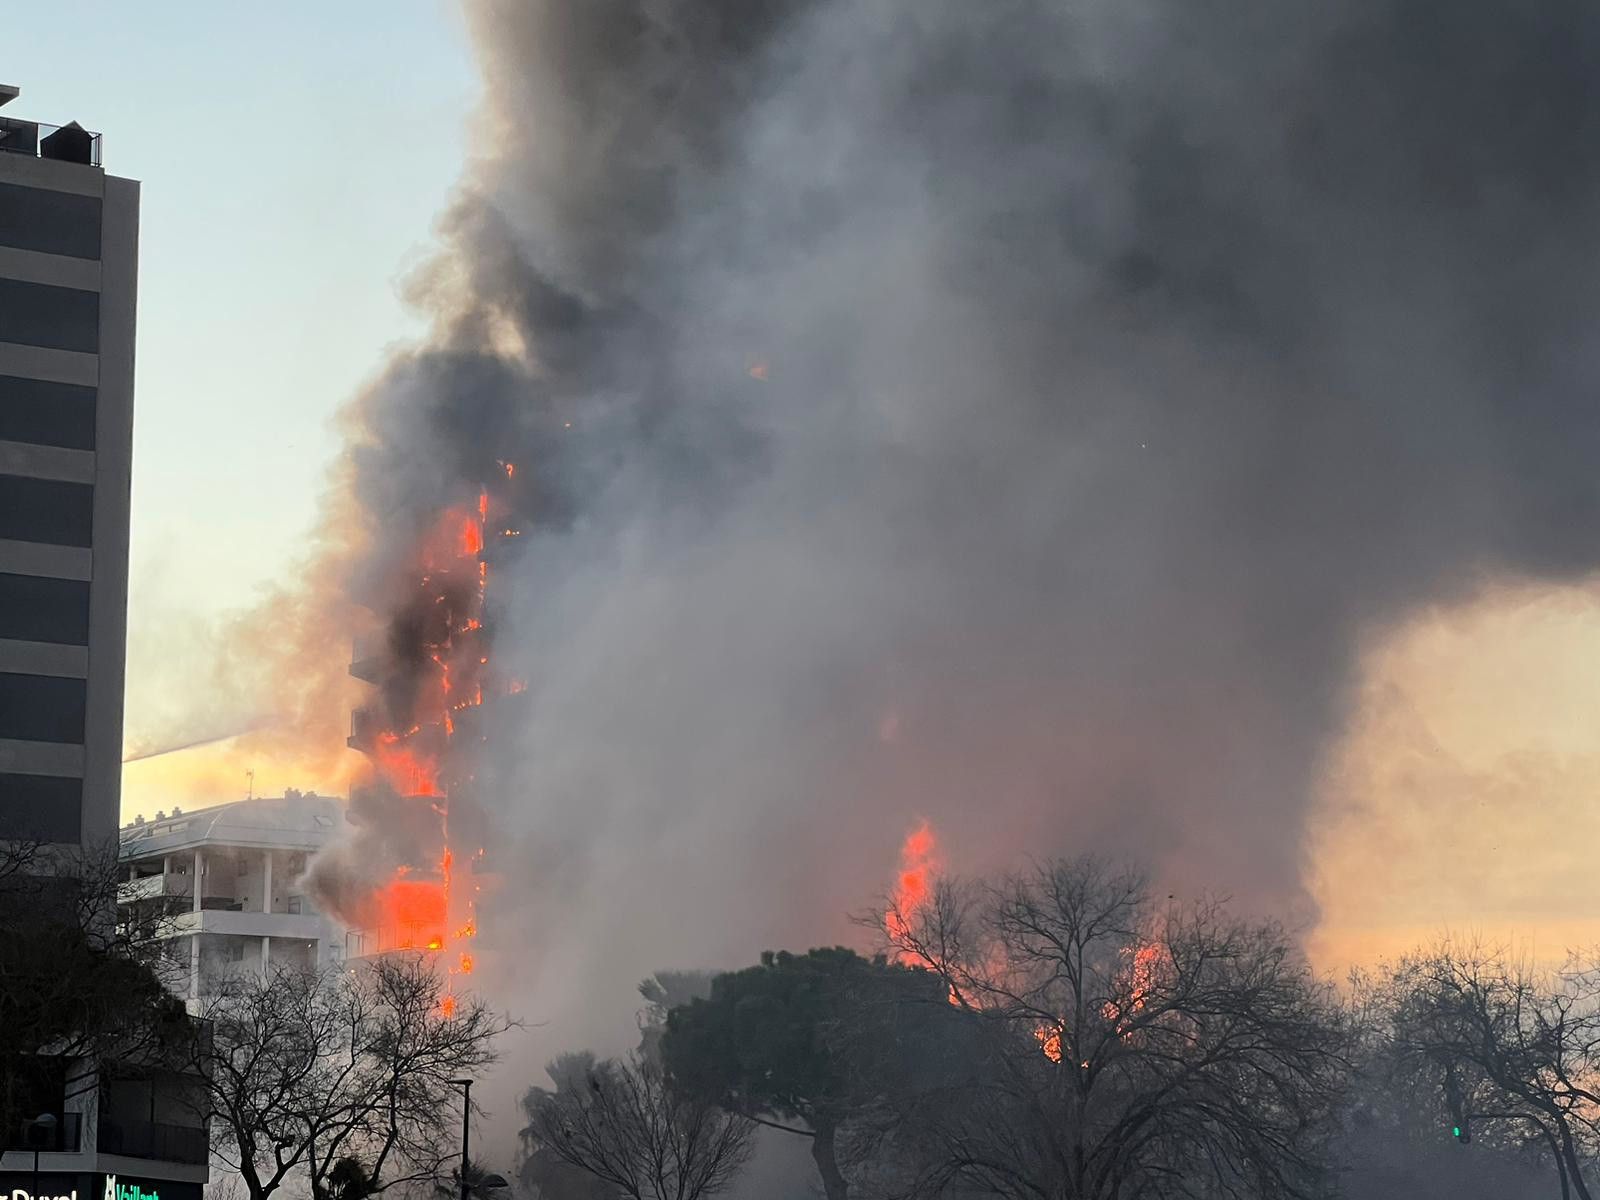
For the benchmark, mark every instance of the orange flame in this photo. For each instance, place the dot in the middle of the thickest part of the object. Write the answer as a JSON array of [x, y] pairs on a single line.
[[410, 914], [1138, 980], [1049, 1039], [414, 913], [406, 770], [914, 886]]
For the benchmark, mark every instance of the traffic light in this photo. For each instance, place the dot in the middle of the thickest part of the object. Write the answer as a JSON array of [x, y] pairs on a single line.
[[1457, 1107]]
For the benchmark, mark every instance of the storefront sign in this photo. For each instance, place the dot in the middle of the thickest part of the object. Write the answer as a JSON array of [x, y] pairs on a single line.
[[48, 1185], [128, 1191], [57, 1185]]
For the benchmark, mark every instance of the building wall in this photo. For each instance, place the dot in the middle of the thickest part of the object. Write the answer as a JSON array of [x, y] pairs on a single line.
[[68, 271]]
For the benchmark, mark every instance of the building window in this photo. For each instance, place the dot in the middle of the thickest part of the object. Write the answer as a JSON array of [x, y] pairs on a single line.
[[35, 609], [49, 222], [56, 318], [41, 708], [42, 413], [41, 807], [46, 510]]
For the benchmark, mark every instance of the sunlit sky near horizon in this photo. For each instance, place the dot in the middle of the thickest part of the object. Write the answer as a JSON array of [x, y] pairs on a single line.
[[294, 159]]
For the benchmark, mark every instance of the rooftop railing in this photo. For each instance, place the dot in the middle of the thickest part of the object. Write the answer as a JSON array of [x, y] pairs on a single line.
[[65, 143]]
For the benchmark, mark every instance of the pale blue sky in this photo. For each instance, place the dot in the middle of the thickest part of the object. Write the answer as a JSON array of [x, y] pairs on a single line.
[[293, 158]]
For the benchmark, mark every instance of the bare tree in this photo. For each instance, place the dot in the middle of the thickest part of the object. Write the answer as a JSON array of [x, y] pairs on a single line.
[[74, 983], [340, 1080], [622, 1123], [1114, 1049], [1502, 1050]]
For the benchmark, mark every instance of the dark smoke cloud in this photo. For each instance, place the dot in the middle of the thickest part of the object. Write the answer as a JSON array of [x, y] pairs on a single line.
[[1126, 364]]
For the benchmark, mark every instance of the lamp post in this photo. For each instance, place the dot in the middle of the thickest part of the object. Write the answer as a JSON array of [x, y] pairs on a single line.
[[466, 1127], [39, 1131]]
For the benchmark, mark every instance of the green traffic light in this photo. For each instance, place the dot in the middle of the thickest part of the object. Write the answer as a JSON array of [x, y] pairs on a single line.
[[1455, 1131]]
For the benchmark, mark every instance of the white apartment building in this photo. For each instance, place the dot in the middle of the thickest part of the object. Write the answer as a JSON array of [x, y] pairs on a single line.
[[221, 887]]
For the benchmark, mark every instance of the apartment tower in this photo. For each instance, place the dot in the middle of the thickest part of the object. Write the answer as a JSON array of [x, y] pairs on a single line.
[[68, 264]]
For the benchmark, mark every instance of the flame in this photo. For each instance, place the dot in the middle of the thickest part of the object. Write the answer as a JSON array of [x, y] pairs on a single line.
[[760, 369], [1049, 1039], [914, 886], [1138, 981], [411, 914], [423, 907], [407, 770]]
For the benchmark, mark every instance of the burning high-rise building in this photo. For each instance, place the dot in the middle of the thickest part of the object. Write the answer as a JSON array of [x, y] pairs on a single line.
[[428, 660]]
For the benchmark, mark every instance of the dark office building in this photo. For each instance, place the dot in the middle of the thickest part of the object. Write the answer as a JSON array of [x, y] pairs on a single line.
[[68, 257], [68, 262]]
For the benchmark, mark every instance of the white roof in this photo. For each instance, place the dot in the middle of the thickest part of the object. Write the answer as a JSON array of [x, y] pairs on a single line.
[[267, 822]]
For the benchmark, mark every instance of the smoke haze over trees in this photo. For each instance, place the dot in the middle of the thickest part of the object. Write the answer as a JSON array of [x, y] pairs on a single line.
[[1059, 1033]]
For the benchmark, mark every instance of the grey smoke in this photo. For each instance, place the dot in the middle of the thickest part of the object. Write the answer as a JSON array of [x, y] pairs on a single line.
[[1127, 362]]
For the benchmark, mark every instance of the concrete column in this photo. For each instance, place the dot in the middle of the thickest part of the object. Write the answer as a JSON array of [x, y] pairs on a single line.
[[266, 884], [199, 866], [266, 955], [194, 966]]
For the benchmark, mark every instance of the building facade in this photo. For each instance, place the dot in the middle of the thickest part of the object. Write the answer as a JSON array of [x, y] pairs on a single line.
[[221, 888], [68, 266]]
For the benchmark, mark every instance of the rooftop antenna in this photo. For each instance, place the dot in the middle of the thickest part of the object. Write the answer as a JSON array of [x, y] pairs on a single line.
[[250, 793]]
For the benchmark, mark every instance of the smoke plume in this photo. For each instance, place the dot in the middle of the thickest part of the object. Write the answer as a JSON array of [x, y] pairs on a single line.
[[1013, 415]]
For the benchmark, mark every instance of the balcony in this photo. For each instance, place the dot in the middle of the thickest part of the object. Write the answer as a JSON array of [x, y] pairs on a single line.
[[65, 143], [369, 658], [152, 1139], [147, 888], [64, 1137]]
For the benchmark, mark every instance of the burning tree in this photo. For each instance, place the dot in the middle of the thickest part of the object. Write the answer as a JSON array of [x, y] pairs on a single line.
[[1119, 1048]]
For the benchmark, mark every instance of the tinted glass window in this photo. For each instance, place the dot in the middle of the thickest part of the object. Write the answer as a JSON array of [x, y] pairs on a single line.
[[50, 222], [44, 610], [41, 708], [46, 414], [41, 807], [46, 510], [58, 318]]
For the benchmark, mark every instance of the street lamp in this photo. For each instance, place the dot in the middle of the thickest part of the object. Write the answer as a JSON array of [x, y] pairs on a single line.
[[466, 1127], [40, 1131], [487, 1182]]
